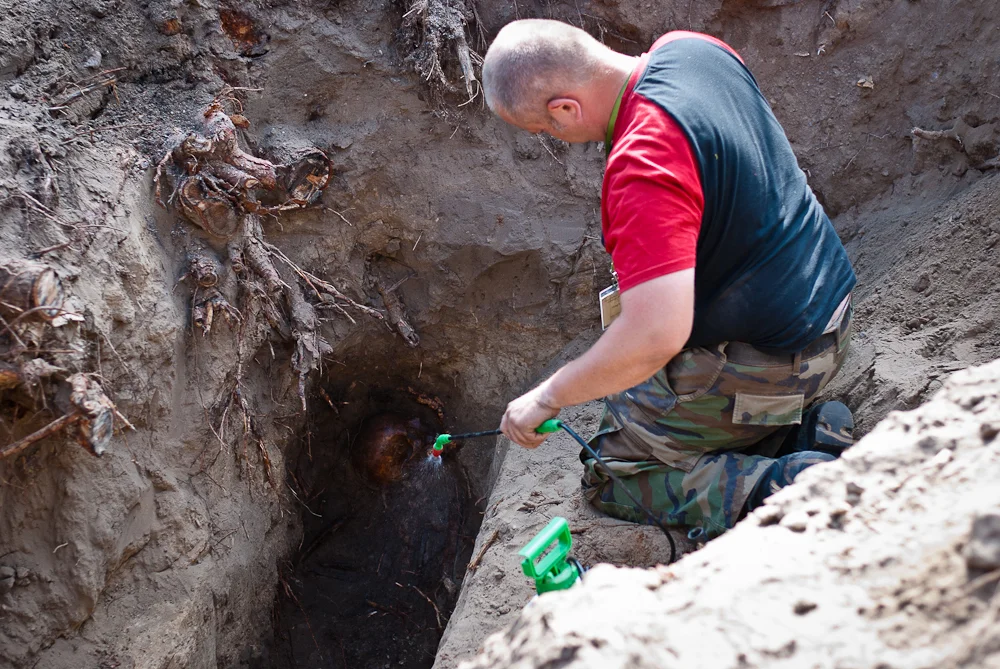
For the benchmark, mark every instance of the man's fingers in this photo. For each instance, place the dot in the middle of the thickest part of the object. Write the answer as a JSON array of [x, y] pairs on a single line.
[[521, 418], [520, 437], [523, 438], [535, 441], [508, 429]]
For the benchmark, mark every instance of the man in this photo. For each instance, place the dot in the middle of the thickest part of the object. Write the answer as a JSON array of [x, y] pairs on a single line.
[[734, 287]]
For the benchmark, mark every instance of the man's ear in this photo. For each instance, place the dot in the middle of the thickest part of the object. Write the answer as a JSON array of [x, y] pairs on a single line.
[[566, 112]]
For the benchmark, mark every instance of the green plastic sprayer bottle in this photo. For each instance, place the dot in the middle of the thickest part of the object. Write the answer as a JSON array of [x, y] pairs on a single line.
[[551, 425], [550, 569]]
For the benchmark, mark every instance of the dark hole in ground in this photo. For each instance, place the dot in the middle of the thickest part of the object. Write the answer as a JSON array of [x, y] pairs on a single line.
[[387, 534]]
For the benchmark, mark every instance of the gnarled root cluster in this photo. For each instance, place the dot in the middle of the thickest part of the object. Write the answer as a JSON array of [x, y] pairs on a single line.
[[207, 179], [214, 184], [436, 28], [204, 271], [397, 311], [31, 305]]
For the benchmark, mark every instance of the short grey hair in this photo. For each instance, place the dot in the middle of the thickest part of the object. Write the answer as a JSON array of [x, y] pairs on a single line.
[[532, 61]]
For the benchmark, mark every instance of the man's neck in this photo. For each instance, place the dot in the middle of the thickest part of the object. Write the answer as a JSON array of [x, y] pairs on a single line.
[[619, 69]]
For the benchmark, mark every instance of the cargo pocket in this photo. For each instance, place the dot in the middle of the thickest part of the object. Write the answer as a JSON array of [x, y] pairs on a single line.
[[768, 409]]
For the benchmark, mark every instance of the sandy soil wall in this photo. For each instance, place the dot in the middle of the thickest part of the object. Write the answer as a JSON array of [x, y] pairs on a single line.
[[163, 553], [168, 551]]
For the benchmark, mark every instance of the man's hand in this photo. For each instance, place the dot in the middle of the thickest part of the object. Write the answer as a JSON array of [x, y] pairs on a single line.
[[526, 413]]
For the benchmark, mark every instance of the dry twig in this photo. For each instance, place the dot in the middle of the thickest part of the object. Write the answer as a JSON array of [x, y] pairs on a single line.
[[437, 612], [474, 563]]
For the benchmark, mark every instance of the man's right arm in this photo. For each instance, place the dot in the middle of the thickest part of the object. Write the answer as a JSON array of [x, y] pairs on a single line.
[[653, 327]]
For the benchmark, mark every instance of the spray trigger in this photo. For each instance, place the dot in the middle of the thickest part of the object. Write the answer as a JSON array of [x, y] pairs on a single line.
[[549, 426]]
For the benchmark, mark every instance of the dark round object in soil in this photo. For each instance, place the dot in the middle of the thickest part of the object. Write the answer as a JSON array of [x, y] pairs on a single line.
[[386, 443]]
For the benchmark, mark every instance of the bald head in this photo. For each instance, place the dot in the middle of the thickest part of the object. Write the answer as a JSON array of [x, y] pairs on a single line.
[[534, 60]]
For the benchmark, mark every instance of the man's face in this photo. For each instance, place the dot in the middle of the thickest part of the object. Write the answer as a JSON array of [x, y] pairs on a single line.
[[567, 132]]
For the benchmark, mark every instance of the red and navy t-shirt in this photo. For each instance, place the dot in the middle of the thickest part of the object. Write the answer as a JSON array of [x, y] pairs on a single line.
[[701, 175]]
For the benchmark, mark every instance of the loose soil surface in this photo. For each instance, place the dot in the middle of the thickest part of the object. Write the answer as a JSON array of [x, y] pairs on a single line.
[[189, 542]]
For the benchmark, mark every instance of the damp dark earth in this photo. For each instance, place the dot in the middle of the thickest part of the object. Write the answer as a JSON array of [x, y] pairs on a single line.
[[386, 538], [255, 257]]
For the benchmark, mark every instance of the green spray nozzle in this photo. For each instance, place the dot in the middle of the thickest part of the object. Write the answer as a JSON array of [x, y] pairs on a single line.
[[549, 426], [439, 443]]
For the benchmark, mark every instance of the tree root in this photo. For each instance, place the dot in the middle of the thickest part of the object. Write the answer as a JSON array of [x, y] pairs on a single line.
[[204, 269], [28, 373], [397, 312], [433, 403], [257, 256], [55, 426], [326, 292], [310, 347], [434, 27], [96, 411], [32, 303], [213, 183], [979, 143], [29, 288], [10, 376], [950, 133], [992, 163], [206, 304], [207, 179], [93, 415]]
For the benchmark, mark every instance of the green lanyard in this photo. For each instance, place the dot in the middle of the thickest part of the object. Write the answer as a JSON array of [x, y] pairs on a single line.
[[607, 150], [614, 117]]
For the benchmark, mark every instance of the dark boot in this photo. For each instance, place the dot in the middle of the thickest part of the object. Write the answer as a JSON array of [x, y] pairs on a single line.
[[827, 427]]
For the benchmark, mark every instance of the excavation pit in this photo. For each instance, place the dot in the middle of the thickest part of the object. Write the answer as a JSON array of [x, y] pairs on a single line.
[[388, 531]]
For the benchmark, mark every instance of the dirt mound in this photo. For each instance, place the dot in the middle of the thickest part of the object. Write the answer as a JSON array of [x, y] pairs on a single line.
[[887, 557], [920, 304]]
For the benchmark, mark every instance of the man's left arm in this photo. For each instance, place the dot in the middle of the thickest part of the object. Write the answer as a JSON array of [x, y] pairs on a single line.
[[654, 324]]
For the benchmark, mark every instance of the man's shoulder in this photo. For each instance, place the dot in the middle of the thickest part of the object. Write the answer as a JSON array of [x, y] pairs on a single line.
[[675, 35]]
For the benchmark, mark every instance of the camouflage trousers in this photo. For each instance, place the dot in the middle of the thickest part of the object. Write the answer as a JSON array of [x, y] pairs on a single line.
[[692, 441]]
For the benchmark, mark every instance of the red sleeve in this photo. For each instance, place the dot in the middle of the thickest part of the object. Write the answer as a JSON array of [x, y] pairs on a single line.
[[652, 201]]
